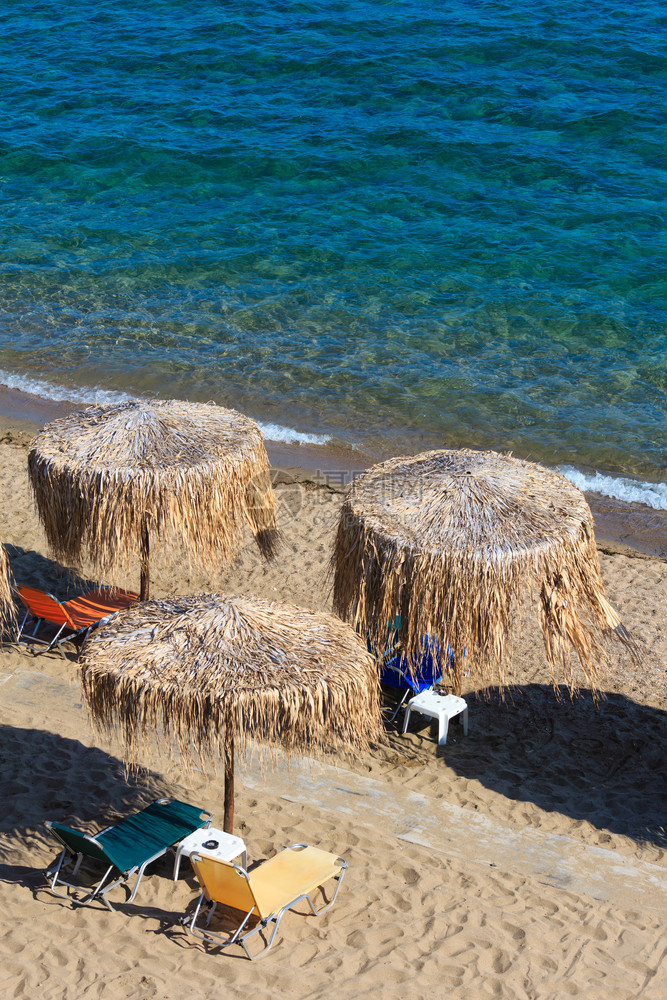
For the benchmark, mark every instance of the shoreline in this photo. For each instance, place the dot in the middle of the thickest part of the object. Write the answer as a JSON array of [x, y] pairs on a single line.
[[620, 526]]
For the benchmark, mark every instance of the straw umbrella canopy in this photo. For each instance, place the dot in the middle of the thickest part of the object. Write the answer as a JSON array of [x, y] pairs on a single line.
[[105, 478], [213, 671], [452, 541], [7, 609]]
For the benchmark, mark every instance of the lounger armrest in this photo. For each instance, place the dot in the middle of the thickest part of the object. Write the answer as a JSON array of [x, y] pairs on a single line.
[[93, 840]]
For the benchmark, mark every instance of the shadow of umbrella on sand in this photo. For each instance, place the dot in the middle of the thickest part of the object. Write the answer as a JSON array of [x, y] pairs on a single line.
[[105, 478], [211, 671], [454, 542]]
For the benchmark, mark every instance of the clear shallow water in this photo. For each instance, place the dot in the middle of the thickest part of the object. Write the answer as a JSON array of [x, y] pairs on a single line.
[[378, 223]]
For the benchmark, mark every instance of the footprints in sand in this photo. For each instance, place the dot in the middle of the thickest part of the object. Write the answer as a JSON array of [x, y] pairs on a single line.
[[409, 924]]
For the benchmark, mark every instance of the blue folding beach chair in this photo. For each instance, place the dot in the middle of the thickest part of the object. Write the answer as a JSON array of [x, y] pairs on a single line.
[[395, 671]]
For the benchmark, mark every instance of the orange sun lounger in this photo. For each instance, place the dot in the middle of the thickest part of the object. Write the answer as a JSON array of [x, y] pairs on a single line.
[[71, 618]]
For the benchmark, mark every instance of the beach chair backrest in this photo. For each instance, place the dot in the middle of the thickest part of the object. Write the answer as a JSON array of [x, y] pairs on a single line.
[[77, 843], [224, 883], [43, 605], [396, 671]]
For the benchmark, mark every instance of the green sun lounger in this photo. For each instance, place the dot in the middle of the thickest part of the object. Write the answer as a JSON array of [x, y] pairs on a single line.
[[126, 848]]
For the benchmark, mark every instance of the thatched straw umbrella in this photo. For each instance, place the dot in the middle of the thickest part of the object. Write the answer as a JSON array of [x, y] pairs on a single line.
[[106, 477], [451, 541], [7, 609], [212, 670]]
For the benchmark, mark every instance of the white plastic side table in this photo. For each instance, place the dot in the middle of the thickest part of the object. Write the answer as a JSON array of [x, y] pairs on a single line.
[[224, 846], [442, 707]]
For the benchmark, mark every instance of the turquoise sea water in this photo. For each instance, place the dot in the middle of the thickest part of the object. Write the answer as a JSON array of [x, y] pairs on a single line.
[[394, 225]]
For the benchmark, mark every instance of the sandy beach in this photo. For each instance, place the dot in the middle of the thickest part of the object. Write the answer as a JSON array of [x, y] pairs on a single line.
[[526, 860]]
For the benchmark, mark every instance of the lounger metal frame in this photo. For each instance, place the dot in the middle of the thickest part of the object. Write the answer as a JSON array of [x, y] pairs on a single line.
[[39, 620], [413, 685], [237, 936], [69, 624], [100, 890]]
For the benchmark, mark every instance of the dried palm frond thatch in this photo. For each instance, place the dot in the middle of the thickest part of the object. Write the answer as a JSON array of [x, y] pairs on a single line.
[[451, 540], [105, 478], [7, 607], [212, 671]]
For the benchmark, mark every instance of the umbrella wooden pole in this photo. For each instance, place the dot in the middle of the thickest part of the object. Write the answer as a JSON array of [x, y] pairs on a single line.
[[457, 678], [144, 584], [228, 822]]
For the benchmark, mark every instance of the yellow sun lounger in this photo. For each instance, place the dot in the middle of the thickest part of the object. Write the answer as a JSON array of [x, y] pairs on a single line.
[[266, 893]]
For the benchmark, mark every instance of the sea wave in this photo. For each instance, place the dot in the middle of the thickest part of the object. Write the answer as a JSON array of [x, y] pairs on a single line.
[[61, 393], [393, 269], [94, 394], [288, 435], [629, 490]]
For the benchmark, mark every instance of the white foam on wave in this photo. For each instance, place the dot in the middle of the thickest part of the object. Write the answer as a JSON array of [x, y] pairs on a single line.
[[93, 394], [288, 435], [61, 393], [629, 490]]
